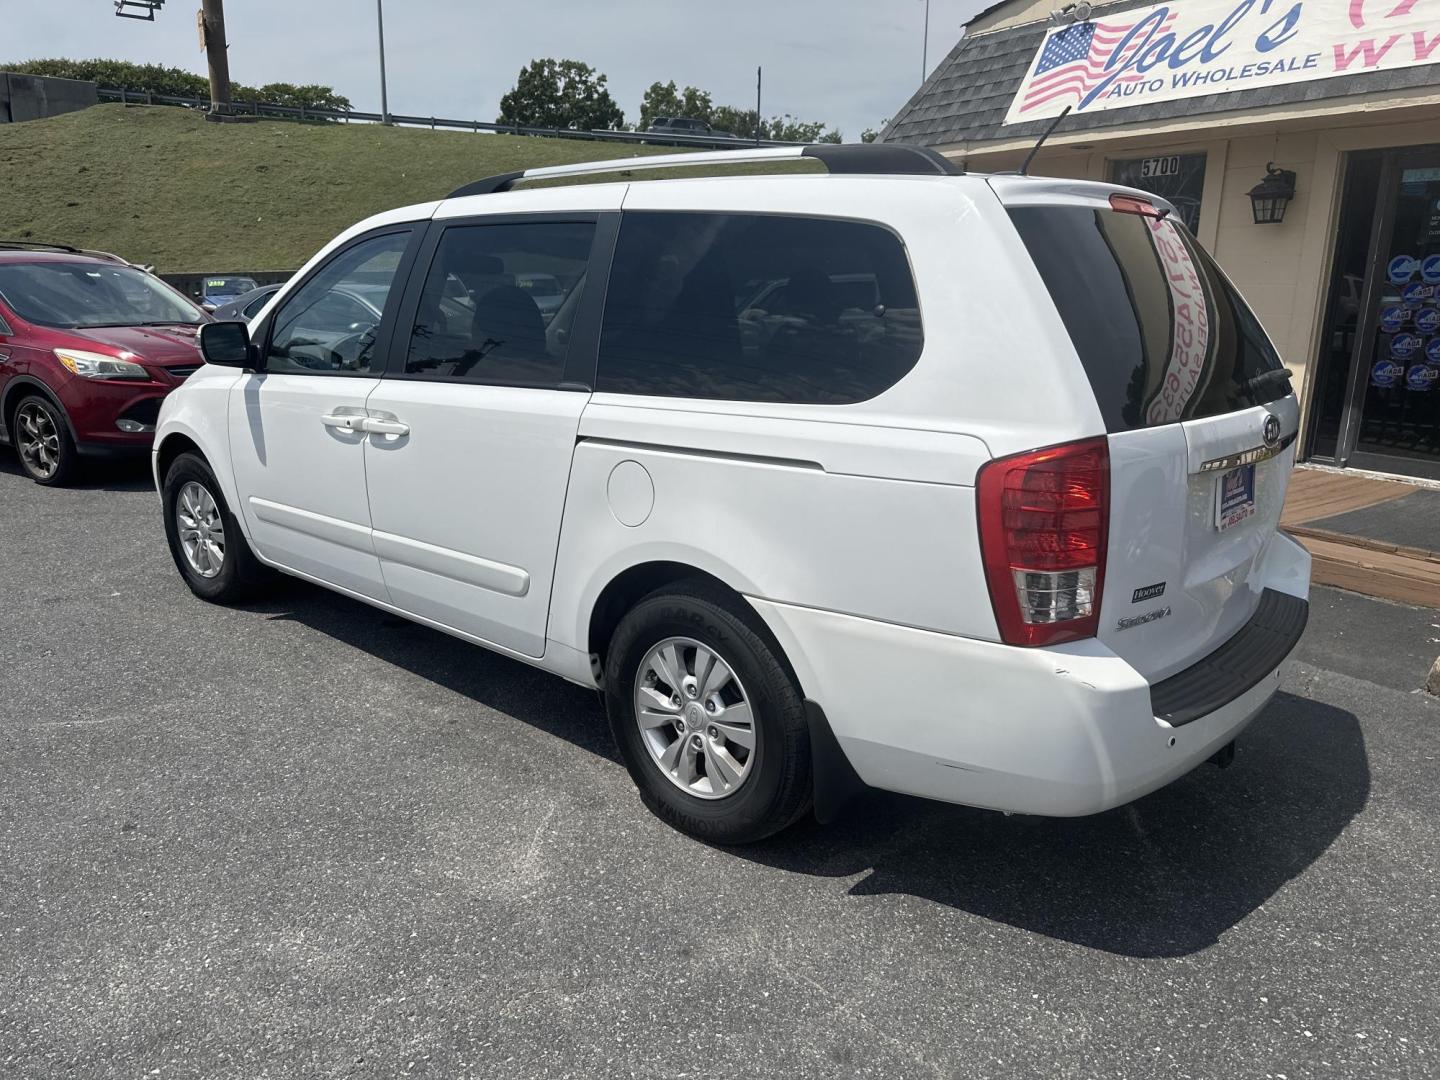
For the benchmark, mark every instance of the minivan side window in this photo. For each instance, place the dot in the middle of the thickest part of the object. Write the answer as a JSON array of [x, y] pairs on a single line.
[[330, 325], [499, 303], [757, 307]]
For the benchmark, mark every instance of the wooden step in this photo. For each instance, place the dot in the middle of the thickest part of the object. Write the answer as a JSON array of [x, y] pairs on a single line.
[[1406, 575]]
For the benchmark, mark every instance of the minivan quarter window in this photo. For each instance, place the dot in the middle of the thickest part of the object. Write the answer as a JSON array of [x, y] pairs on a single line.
[[331, 324], [758, 307], [499, 303]]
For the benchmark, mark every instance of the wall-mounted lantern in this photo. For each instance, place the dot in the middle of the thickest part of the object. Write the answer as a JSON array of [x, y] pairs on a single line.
[[1269, 198]]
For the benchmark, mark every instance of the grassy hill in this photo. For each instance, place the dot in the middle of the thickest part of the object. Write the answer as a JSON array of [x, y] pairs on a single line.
[[160, 185]]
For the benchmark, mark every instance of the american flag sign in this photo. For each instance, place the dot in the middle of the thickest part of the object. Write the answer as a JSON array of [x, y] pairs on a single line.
[[1076, 58], [1203, 48]]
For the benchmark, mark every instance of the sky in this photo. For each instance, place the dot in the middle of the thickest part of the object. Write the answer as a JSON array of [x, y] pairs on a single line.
[[850, 63]]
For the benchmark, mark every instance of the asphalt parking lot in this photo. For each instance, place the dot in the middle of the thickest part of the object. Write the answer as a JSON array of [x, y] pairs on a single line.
[[307, 839]]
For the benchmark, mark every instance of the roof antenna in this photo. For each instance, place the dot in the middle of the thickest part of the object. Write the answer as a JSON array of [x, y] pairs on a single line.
[[1025, 168]]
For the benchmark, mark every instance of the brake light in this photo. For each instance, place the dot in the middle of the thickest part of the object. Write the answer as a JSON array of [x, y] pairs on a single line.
[[1131, 204], [1044, 527]]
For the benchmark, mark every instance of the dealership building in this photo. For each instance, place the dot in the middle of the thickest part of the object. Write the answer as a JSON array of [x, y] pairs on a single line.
[[1300, 141]]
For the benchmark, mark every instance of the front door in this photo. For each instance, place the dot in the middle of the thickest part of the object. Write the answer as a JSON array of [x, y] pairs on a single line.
[[296, 433], [482, 406], [1377, 404]]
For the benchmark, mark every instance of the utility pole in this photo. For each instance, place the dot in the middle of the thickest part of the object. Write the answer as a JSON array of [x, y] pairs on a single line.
[[759, 81], [925, 46], [380, 25], [212, 39]]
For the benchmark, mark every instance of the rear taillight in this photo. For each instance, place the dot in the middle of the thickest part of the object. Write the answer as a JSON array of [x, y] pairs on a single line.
[[1044, 526]]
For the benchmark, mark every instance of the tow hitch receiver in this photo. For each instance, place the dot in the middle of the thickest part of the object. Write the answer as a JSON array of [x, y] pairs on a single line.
[[1222, 758]]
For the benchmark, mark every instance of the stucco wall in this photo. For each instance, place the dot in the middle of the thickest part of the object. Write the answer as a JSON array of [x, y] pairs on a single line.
[[1268, 262]]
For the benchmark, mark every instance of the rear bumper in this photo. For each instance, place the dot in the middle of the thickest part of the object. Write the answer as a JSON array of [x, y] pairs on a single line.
[[1062, 731]]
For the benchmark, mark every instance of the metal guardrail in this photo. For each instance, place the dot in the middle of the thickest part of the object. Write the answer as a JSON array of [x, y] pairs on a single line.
[[350, 116]]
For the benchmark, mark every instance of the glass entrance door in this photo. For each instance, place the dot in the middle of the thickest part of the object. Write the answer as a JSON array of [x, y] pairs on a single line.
[[1377, 404]]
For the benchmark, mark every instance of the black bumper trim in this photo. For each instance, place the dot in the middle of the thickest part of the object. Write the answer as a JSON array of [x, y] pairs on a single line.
[[1257, 649]]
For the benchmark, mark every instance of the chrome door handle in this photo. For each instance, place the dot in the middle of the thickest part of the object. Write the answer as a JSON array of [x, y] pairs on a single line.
[[343, 421], [374, 426]]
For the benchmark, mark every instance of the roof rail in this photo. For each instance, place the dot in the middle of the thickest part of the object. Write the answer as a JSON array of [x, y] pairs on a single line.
[[872, 159], [35, 245]]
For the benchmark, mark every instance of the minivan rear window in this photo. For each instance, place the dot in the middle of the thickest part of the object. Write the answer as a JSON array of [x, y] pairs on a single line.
[[1162, 335]]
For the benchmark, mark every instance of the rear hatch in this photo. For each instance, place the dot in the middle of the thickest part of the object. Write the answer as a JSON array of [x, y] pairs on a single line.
[[1198, 409]]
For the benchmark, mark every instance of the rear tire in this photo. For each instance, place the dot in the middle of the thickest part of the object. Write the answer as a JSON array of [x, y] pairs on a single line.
[[42, 441], [690, 761], [205, 539]]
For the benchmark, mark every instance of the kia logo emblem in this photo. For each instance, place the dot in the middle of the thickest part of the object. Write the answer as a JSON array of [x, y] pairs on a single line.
[[1271, 431]]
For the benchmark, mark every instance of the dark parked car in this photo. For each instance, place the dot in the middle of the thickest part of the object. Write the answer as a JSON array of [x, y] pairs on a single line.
[[219, 290], [245, 308], [684, 125], [89, 346]]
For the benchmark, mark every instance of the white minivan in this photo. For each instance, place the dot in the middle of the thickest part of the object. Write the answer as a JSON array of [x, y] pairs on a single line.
[[997, 528]]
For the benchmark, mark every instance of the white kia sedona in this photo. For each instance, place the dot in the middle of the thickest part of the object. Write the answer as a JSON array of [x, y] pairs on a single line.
[[962, 486]]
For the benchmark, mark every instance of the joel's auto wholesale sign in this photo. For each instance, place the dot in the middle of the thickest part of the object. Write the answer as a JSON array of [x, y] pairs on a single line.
[[1198, 47]]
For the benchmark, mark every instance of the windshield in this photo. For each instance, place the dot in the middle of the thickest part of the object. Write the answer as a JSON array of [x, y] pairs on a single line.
[[75, 295], [229, 286]]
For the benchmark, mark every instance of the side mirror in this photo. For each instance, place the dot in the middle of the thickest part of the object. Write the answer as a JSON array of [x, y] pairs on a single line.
[[226, 344]]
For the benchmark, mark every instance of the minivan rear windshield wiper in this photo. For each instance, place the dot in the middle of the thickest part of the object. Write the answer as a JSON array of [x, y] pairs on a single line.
[[1255, 382]]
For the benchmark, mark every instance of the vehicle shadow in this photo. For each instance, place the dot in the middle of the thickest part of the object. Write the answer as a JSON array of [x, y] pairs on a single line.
[[97, 474], [1163, 877], [532, 696]]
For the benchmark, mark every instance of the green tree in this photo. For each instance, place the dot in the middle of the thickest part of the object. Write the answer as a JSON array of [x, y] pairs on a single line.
[[663, 99], [565, 94], [309, 97], [788, 128], [176, 82], [871, 134], [736, 121]]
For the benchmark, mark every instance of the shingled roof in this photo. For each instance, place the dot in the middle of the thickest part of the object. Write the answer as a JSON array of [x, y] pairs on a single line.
[[966, 98]]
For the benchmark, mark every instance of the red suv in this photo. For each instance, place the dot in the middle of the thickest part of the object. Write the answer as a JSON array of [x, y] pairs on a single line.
[[89, 346]]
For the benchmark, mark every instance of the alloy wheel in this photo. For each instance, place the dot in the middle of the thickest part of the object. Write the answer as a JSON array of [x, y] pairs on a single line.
[[201, 530], [695, 718], [37, 439]]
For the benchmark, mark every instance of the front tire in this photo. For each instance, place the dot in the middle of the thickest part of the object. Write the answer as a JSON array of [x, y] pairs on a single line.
[[707, 717], [42, 441], [205, 539]]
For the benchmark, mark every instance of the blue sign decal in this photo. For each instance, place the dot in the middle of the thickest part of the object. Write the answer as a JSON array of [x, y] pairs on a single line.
[[1421, 377], [1416, 293], [1393, 318], [1386, 374], [1237, 495], [1402, 268], [1427, 320], [1432, 351], [1404, 345], [1430, 269]]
